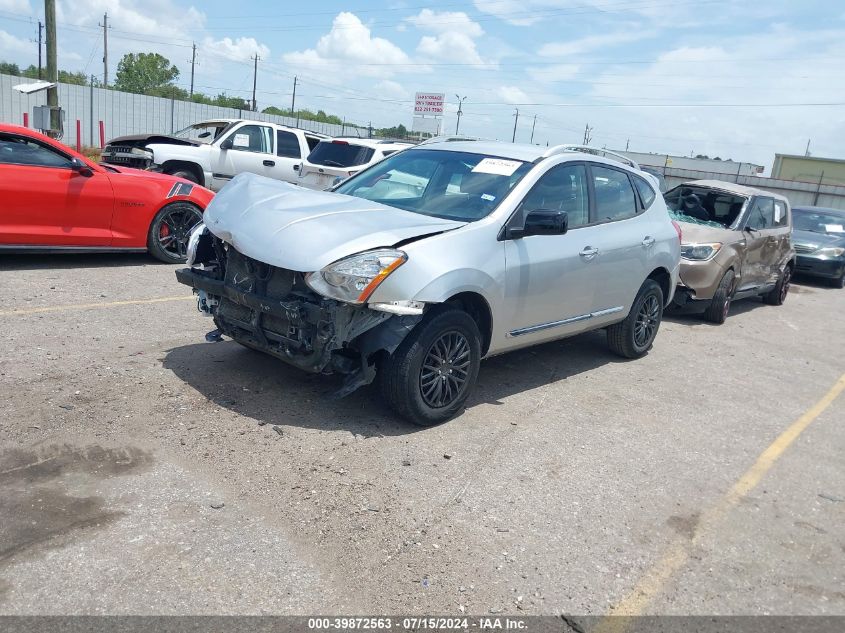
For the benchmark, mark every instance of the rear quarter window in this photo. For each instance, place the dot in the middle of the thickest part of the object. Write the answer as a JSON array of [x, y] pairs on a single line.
[[647, 194]]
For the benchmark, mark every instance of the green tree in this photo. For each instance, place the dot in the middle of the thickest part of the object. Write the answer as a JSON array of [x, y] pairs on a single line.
[[145, 73], [67, 77], [225, 101], [8, 68]]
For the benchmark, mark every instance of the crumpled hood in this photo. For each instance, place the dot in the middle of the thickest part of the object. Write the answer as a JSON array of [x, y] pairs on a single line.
[[304, 230], [141, 140], [697, 233]]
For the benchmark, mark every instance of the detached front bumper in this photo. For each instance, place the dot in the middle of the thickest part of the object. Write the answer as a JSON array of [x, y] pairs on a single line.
[[829, 268]]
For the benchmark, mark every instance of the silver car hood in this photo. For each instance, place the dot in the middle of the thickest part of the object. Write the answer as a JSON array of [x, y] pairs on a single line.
[[304, 230]]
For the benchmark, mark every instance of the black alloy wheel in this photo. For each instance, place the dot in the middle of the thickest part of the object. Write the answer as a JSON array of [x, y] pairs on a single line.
[[445, 370]]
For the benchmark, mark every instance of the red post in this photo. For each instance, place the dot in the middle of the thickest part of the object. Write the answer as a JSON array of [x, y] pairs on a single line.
[[78, 135], [26, 119], [102, 135]]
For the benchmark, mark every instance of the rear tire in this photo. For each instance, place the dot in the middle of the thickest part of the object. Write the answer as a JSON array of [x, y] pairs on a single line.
[[167, 239], [432, 372], [633, 337], [777, 295], [717, 310]]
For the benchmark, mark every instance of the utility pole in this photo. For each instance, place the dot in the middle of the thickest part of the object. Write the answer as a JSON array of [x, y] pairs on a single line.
[[52, 68], [193, 63], [588, 134], [627, 144], [40, 29], [807, 151], [533, 125], [460, 112], [254, 83], [515, 120], [293, 98], [105, 26]]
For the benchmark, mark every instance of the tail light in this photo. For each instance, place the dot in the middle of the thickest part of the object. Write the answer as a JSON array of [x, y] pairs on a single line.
[[678, 231]]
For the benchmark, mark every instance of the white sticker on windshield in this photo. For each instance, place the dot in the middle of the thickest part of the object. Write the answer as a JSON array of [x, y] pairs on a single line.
[[778, 210], [241, 140], [834, 228], [487, 197], [498, 166]]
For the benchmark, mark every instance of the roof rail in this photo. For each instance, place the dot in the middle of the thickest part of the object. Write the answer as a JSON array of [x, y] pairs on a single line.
[[586, 149], [448, 139]]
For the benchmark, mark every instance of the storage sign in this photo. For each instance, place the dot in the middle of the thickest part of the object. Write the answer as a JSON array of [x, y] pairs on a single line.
[[429, 103]]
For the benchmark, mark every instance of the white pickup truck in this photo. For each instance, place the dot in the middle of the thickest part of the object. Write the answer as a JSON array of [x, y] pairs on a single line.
[[211, 153]]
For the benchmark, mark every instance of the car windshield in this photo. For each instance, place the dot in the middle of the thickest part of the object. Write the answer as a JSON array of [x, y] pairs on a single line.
[[203, 132], [704, 206], [340, 154], [818, 221], [444, 184]]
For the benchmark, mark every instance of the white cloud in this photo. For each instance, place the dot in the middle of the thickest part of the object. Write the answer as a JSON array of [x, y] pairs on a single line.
[[593, 42], [391, 90], [453, 39], [349, 42], [15, 6], [239, 50], [9, 44], [451, 46], [160, 18], [513, 94], [445, 21]]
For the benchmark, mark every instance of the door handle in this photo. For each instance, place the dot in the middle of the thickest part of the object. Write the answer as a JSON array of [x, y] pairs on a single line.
[[269, 163], [296, 167], [588, 252], [648, 240]]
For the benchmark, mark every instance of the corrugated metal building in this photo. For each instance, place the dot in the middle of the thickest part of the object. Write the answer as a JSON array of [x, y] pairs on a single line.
[[826, 171]]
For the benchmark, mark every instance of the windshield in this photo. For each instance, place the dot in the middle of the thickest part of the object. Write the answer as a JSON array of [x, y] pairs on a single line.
[[340, 154], [818, 222], [203, 132], [704, 206], [452, 185]]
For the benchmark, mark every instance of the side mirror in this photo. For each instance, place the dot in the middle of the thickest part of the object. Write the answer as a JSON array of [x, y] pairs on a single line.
[[227, 144], [80, 167], [542, 222]]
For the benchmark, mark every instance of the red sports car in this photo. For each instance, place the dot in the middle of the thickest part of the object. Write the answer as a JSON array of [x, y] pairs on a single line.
[[54, 199]]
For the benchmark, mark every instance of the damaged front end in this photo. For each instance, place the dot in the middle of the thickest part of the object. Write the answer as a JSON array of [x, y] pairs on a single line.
[[274, 310]]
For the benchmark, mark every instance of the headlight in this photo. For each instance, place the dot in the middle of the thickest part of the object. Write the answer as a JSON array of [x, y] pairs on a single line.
[[700, 252], [193, 240], [832, 251], [355, 278]]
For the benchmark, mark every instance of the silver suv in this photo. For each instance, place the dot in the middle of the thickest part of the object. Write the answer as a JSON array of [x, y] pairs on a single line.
[[434, 258]]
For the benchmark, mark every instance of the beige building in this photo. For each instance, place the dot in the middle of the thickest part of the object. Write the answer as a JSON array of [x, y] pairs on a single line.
[[827, 171]]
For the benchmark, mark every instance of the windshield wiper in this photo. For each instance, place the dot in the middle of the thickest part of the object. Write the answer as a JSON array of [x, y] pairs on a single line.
[[332, 163]]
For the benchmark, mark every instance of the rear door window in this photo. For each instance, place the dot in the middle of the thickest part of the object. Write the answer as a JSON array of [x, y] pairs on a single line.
[[780, 220], [614, 196], [287, 145], [340, 154]]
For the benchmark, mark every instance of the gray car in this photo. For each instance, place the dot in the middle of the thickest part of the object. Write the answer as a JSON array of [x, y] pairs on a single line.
[[438, 256]]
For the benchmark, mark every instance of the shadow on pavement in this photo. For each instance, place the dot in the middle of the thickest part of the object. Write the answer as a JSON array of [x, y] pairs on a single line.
[[76, 260], [258, 386]]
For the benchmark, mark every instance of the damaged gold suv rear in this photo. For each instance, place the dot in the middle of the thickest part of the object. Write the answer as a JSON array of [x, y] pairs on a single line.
[[736, 244]]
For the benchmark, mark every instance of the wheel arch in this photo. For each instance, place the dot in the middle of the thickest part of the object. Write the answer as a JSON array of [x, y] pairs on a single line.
[[170, 166], [477, 307], [664, 279]]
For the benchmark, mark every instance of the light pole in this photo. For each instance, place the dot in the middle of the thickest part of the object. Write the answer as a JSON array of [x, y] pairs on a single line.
[[515, 121], [460, 112]]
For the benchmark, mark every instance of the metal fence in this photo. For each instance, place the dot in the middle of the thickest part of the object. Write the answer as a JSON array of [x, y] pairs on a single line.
[[126, 113]]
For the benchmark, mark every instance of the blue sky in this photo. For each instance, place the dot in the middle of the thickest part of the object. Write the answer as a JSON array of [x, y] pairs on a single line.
[[726, 78]]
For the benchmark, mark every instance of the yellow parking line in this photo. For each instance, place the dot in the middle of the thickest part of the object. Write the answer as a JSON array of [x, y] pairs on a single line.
[[652, 583], [92, 306]]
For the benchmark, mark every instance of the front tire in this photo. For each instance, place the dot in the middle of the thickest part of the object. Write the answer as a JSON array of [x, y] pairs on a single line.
[[167, 239], [717, 311], [185, 174], [430, 375], [839, 282], [777, 295], [633, 337]]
